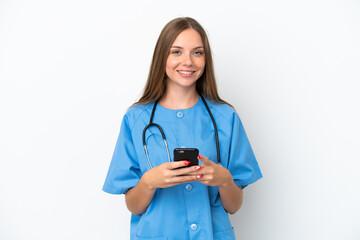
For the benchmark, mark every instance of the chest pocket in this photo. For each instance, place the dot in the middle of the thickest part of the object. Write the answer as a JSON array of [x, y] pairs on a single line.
[[156, 147]]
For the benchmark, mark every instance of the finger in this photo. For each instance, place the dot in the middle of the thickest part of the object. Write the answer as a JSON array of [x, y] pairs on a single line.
[[183, 179], [177, 164], [198, 170], [204, 180], [186, 171], [205, 160], [200, 178], [204, 177]]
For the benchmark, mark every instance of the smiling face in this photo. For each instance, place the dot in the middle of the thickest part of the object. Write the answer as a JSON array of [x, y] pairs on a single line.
[[186, 61]]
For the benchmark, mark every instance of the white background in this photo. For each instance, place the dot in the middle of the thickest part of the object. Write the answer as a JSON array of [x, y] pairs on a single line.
[[69, 69]]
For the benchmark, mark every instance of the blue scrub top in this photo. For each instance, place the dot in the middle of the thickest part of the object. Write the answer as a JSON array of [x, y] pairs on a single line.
[[190, 210]]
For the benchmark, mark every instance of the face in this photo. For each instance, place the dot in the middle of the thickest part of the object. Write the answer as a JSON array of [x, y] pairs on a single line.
[[186, 61]]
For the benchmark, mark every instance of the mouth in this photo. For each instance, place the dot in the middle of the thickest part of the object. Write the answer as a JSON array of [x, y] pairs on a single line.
[[184, 73]]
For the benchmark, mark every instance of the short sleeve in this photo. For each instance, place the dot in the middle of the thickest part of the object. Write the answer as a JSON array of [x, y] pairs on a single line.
[[242, 162], [124, 171]]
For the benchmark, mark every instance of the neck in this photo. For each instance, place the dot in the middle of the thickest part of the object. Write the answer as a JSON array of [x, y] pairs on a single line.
[[179, 98]]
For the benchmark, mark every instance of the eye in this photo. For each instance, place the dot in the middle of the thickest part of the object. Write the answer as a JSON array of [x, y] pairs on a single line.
[[198, 53], [175, 52]]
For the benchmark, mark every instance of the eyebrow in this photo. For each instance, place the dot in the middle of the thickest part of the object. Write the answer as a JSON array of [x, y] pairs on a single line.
[[182, 47]]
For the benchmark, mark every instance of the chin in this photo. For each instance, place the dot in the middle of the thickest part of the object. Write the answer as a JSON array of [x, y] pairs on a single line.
[[187, 85]]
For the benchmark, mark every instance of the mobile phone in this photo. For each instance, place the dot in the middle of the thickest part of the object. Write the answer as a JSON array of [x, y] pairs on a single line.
[[190, 154]]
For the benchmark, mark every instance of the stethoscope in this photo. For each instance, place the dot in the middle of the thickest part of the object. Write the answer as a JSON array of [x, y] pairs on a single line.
[[163, 135]]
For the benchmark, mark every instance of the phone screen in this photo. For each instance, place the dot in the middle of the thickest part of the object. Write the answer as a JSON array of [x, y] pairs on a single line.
[[189, 154]]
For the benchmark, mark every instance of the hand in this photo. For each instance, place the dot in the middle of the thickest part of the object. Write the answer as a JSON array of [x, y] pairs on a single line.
[[212, 174], [169, 174]]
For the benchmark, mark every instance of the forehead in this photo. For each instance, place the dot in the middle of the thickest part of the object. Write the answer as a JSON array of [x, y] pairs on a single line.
[[188, 38]]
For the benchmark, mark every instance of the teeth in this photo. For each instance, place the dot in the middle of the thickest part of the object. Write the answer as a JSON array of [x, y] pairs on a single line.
[[185, 72]]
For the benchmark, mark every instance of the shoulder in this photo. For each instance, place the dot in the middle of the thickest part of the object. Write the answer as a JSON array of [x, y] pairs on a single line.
[[223, 111], [137, 112]]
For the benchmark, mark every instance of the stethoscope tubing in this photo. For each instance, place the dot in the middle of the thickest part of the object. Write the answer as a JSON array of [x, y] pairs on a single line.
[[163, 134], [215, 128]]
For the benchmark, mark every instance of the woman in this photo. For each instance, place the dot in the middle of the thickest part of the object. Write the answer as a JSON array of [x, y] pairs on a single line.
[[168, 200]]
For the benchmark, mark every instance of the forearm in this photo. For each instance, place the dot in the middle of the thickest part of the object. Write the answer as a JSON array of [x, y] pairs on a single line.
[[231, 196], [163, 176], [139, 197]]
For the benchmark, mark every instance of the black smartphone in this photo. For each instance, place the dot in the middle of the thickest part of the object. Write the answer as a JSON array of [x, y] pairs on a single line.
[[190, 154]]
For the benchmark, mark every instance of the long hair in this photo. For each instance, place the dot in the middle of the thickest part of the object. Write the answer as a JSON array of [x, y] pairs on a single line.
[[156, 81]]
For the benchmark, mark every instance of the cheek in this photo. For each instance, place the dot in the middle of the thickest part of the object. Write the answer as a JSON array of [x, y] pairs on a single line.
[[170, 64], [201, 64]]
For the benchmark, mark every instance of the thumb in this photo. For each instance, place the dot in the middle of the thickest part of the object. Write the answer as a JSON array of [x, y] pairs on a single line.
[[204, 159]]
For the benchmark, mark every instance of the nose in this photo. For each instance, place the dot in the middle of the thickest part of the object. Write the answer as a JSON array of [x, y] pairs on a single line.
[[187, 61]]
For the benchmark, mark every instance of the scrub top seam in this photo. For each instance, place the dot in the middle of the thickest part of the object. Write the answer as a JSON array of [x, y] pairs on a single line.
[[248, 181], [214, 109], [137, 117]]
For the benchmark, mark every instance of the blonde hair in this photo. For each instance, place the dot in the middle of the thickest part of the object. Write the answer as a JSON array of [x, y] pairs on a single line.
[[156, 81]]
